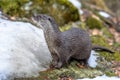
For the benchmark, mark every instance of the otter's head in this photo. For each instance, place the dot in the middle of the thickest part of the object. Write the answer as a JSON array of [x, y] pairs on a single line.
[[43, 21]]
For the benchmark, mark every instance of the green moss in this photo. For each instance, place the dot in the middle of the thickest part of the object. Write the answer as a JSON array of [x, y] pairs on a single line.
[[116, 56], [62, 10], [70, 25], [111, 57], [107, 56], [13, 7], [83, 25], [73, 10], [110, 73], [116, 45], [71, 71], [107, 33], [65, 28], [94, 23], [99, 40]]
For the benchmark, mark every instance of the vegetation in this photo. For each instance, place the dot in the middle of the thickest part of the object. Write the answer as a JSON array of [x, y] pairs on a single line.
[[62, 10], [13, 7], [94, 23]]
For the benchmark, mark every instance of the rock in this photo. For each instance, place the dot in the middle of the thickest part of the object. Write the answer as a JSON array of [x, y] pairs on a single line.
[[23, 50]]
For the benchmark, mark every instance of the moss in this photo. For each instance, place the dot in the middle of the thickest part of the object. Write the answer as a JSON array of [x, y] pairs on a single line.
[[13, 7], [99, 40], [103, 42], [71, 71], [110, 73], [107, 56], [65, 28], [73, 10], [94, 23], [70, 25], [83, 25], [116, 56], [107, 33], [62, 10]]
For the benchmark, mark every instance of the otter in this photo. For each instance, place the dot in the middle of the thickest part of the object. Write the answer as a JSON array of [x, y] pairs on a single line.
[[64, 46]]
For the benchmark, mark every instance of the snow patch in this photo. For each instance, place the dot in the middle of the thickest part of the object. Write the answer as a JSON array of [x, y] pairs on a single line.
[[104, 77], [92, 61], [77, 4], [23, 50], [104, 14]]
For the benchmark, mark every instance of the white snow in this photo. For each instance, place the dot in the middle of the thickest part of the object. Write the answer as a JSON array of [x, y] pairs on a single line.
[[92, 60], [23, 50], [104, 14], [104, 77], [77, 4]]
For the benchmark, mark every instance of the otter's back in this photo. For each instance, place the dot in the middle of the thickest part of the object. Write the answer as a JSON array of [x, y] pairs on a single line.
[[78, 42]]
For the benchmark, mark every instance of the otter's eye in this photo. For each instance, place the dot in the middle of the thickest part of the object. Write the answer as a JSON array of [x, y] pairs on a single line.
[[49, 19]]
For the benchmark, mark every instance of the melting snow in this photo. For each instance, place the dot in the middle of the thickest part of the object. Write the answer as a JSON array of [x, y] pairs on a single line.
[[104, 14]]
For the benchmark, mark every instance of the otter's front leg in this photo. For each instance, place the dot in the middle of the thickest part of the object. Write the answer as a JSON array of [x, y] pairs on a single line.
[[59, 64], [55, 60], [63, 60]]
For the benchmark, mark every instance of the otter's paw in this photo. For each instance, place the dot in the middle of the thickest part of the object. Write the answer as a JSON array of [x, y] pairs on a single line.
[[53, 64], [59, 65]]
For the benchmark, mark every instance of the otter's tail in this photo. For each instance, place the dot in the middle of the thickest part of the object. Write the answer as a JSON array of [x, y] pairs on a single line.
[[95, 47]]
